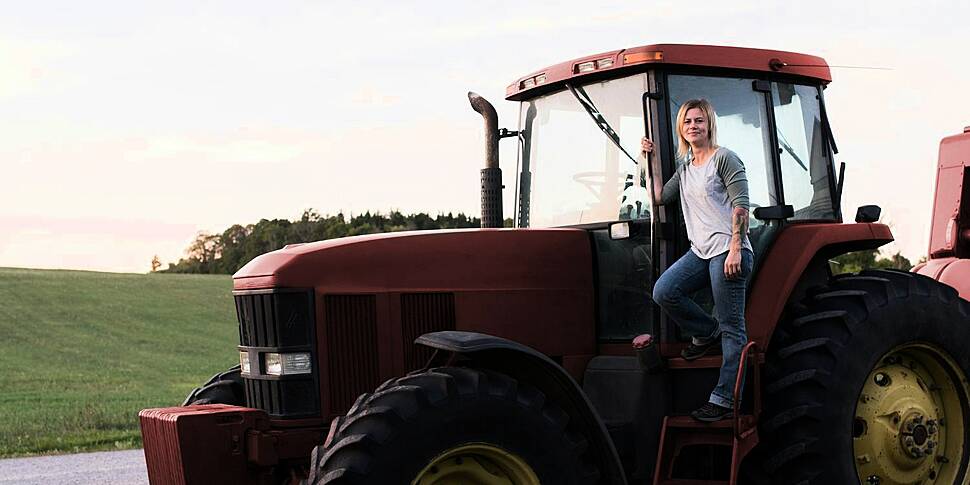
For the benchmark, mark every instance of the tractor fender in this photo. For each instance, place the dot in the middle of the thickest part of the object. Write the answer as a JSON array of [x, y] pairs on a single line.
[[529, 365], [798, 259]]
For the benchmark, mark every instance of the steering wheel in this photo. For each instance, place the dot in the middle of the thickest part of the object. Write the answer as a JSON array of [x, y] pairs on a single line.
[[593, 181]]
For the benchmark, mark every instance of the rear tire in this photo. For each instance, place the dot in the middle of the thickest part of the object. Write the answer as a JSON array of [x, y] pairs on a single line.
[[223, 388], [452, 423], [832, 412]]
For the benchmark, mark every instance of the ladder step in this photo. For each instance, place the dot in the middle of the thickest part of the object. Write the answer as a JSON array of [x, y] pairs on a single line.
[[706, 362], [671, 350], [685, 481], [679, 432], [689, 422]]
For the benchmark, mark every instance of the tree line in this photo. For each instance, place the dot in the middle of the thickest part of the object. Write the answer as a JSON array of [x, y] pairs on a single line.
[[869, 259], [227, 252]]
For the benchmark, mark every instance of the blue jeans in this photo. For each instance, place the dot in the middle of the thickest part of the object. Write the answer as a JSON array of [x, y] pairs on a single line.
[[673, 292]]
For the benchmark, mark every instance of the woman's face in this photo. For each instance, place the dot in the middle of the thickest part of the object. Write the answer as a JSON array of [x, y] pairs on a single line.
[[694, 128]]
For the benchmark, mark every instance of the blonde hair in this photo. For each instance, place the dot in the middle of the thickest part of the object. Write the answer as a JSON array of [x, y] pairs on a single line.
[[683, 147]]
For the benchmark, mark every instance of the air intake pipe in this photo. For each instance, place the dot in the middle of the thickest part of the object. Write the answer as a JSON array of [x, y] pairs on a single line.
[[491, 174]]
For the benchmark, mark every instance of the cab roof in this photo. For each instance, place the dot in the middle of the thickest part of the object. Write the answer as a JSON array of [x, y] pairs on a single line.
[[621, 62]]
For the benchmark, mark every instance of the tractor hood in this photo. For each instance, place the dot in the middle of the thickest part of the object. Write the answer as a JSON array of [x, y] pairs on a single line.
[[444, 260], [533, 286]]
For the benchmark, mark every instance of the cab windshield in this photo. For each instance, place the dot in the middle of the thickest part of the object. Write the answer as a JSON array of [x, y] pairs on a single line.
[[573, 172], [803, 176]]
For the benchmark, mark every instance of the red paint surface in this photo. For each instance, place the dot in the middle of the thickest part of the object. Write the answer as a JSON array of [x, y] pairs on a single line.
[[951, 271], [786, 261], [199, 444], [954, 160], [950, 230], [957, 275], [533, 286], [934, 267], [218, 444], [804, 65]]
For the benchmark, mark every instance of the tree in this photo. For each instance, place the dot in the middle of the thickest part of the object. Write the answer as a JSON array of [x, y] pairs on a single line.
[[859, 260], [205, 248], [156, 264]]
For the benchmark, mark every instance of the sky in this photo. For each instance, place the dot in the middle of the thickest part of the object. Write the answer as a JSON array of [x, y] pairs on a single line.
[[128, 127]]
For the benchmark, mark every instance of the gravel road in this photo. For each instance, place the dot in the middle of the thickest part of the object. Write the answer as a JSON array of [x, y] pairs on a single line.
[[102, 468]]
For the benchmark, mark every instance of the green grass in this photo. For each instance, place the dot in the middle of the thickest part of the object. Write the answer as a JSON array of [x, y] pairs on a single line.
[[82, 352]]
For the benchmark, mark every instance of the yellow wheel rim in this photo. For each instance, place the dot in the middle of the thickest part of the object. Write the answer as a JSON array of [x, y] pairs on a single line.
[[909, 418], [477, 464]]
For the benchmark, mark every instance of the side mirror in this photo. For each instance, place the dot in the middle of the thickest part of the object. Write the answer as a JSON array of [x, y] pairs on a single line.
[[620, 230], [774, 212], [868, 213]]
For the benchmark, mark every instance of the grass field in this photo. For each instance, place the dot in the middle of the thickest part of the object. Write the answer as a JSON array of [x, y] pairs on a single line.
[[82, 352]]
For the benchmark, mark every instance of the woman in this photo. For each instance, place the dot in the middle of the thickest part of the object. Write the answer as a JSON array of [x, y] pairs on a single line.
[[713, 193]]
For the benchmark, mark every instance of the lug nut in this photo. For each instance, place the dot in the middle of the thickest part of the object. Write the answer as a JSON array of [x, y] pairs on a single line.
[[918, 419], [931, 429], [930, 445], [882, 380], [918, 453], [908, 441], [910, 426]]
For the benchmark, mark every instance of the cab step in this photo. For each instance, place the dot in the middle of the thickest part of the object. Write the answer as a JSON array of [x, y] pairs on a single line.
[[740, 432]]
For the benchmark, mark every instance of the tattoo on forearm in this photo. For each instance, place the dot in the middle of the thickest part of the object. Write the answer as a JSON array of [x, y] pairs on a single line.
[[739, 224]]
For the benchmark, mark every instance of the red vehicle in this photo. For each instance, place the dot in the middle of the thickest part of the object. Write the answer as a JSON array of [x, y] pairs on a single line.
[[503, 355]]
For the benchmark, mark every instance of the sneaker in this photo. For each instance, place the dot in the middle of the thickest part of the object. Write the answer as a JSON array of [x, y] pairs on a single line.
[[696, 351], [710, 413]]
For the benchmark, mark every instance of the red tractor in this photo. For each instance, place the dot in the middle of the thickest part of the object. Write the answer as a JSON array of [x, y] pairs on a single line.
[[495, 355]]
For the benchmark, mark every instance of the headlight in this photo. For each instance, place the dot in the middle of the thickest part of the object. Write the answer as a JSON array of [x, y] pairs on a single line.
[[244, 362], [287, 364]]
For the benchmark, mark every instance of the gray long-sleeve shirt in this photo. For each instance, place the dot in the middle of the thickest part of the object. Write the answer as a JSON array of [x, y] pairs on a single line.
[[708, 193]]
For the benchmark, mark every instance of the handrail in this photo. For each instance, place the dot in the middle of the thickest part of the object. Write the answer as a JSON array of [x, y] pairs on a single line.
[[737, 387]]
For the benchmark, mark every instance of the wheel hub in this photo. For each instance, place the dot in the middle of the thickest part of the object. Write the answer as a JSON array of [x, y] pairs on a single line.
[[477, 464], [900, 433], [918, 436]]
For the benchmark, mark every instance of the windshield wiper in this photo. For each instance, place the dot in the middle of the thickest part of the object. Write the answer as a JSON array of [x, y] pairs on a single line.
[[829, 137], [791, 151], [598, 118]]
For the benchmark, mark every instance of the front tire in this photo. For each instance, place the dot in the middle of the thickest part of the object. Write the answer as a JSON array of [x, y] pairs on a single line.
[[223, 388], [860, 380], [452, 425]]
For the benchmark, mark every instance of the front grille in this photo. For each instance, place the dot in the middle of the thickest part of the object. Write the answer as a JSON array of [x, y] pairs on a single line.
[[422, 313], [281, 319], [283, 398], [263, 395], [278, 320], [352, 348]]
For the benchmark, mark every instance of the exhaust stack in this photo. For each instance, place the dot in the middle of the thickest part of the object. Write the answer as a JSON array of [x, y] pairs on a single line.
[[491, 174]]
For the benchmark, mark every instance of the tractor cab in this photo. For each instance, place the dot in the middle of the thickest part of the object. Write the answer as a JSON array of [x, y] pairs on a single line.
[[580, 165]]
